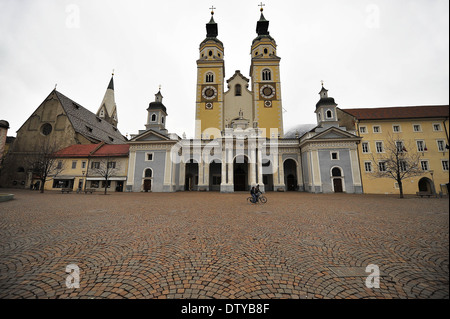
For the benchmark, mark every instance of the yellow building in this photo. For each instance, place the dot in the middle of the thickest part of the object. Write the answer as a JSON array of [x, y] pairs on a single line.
[[422, 130], [260, 107], [86, 166]]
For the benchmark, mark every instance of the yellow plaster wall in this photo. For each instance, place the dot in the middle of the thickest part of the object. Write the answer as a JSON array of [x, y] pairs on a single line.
[[407, 134]]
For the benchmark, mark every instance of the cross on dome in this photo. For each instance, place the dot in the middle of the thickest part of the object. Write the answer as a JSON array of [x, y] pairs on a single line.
[[261, 5]]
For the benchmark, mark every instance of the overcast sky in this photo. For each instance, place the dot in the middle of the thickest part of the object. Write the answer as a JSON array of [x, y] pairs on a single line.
[[369, 53]]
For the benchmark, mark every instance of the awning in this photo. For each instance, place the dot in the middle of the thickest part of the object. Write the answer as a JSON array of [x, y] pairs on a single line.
[[109, 179], [63, 177]]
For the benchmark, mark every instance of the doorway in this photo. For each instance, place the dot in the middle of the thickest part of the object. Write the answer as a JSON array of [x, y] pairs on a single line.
[[337, 184], [240, 177], [147, 185]]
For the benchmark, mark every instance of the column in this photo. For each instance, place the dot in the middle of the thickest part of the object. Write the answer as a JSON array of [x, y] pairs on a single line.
[[252, 166], [182, 177], [259, 164]]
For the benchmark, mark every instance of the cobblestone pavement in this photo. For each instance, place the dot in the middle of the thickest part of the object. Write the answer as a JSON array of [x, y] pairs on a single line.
[[212, 245]]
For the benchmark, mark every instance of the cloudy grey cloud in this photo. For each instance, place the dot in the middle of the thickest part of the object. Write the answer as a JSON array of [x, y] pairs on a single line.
[[369, 53]]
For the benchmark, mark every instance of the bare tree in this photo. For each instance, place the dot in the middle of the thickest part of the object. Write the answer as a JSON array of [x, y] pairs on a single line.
[[105, 167], [44, 163], [397, 161]]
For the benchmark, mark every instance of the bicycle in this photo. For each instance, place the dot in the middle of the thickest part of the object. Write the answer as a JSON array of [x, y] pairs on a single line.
[[261, 198]]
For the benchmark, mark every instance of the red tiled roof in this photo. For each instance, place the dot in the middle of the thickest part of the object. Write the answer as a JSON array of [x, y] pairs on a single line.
[[112, 150], [85, 150], [401, 112]]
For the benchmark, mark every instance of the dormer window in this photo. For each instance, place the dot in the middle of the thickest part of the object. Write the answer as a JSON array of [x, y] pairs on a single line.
[[89, 129]]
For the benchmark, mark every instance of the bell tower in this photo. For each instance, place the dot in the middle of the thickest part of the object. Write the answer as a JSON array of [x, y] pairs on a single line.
[[210, 84], [265, 78]]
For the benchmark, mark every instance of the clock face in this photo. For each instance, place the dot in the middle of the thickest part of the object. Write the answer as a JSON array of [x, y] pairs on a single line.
[[209, 92], [267, 91]]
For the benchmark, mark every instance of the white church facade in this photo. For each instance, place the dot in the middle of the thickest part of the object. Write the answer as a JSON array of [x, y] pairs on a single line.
[[239, 140]]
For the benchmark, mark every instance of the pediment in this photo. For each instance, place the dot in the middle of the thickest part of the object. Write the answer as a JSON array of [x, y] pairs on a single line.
[[149, 135], [333, 133]]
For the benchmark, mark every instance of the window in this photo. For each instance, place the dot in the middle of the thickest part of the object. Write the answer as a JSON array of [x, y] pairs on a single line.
[[83, 164], [441, 145], [95, 184], [420, 146], [417, 128], [104, 184], [209, 77], [363, 130], [365, 147], [379, 146], [403, 166], [149, 156], [46, 129], [237, 90], [59, 165], [336, 172], [334, 155], [74, 164], [329, 114], [95, 165], [400, 147], [436, 127], [445, 165], [376, 129], [148, 172], [153, 118], [162, 119], [111, 164], [266, 75], [382, 166], [424, 165], [368, 167], [396, 128]]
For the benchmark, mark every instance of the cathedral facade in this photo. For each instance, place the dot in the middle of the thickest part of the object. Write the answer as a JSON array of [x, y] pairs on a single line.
[[239, 136]]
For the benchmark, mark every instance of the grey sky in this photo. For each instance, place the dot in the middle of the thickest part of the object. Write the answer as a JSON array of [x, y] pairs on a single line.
[[369, 53]]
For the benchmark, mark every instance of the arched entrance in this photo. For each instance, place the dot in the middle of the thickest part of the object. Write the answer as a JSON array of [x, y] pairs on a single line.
[[337, 179], [191, 175], [240, 173], [215, 175], [290, 173], [267, 170], [147, 183], [426, 186]]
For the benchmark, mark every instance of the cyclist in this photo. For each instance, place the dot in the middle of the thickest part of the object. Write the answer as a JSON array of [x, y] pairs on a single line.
[[257, 193], [253, 193]]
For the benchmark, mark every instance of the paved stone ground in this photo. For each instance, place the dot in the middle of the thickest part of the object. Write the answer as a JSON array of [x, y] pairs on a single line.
[[212, 245]]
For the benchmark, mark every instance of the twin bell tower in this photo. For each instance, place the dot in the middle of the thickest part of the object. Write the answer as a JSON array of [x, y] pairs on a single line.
[[238, 107]]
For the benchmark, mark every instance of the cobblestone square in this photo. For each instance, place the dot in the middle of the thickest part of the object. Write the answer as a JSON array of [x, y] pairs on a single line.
[[213, 245]]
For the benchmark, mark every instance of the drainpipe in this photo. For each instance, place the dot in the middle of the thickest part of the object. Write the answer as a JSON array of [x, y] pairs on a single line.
[[445, 127]]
